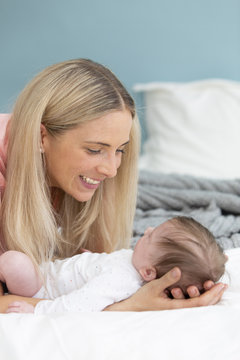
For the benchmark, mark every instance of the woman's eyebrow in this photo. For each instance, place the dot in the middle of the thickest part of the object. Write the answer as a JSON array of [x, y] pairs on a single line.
[[103, 144]]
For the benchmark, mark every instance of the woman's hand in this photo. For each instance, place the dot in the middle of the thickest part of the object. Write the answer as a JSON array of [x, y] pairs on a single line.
[[191, 290], [152, 296]]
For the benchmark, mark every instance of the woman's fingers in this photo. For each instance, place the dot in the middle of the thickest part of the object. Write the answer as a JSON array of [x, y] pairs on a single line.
[[208, 285], [193, 291], [167, 280], [177, 293], [213, 296], [210, 297]]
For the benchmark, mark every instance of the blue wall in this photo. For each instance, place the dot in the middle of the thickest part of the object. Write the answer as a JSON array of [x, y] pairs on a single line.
[[140, 40]]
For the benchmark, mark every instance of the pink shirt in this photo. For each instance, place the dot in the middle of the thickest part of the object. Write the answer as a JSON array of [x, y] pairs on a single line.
[[4, 120]]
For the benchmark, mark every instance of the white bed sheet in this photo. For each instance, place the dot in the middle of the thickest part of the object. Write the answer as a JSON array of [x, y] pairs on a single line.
[[201, 333]]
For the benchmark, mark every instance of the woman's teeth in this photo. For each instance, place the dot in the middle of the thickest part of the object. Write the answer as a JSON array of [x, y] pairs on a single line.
[[89, 181]]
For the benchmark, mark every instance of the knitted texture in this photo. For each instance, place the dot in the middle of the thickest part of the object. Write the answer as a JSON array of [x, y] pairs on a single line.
[[214, 203]]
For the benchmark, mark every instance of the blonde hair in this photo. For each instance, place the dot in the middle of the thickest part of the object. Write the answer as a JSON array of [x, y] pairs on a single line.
[[190, 246], [61, 97]]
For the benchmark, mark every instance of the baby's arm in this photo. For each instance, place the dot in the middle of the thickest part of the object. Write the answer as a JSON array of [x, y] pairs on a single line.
[[96, 295], [19, 274]]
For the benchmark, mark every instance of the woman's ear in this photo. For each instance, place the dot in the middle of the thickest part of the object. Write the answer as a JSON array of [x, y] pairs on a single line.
[[148, 273]]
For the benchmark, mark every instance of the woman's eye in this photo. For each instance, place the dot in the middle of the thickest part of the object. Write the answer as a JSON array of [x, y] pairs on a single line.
[[91, 151], [121, 151]]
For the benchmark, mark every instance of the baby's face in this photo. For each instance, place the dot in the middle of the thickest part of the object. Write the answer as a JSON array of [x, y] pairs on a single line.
[[147, 248], [143, 249]]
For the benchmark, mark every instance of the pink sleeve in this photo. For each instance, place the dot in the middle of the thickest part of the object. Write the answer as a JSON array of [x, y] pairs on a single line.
[[4, 120]]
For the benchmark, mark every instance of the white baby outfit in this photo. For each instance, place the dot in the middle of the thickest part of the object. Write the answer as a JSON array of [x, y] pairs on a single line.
[[88, 282]]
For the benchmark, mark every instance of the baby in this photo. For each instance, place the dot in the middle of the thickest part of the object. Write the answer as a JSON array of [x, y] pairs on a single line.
[[92, 281]]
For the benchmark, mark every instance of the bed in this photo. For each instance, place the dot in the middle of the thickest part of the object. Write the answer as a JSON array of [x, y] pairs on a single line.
[[200, 333], [189, 166]]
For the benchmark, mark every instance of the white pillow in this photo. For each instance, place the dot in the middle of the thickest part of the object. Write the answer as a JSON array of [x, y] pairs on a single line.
[[193, 128]]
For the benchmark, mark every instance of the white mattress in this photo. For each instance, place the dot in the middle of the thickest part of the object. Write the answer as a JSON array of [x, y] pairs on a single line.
[[200, 333]]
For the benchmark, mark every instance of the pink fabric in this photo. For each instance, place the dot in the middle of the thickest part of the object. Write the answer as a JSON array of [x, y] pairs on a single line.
[[19, 274], [4, 121], [4, 118]]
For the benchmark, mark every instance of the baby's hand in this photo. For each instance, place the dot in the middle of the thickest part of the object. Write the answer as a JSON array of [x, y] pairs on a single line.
[[20, 307]]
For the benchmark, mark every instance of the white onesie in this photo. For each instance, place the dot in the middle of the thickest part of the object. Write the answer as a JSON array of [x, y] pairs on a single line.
[[88, 282]]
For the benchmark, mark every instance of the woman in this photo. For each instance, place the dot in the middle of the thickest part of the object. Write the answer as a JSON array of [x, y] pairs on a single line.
[[72, 127]]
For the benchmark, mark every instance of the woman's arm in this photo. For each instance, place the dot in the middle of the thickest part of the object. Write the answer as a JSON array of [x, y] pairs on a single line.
[[153, 297], [149, 297]]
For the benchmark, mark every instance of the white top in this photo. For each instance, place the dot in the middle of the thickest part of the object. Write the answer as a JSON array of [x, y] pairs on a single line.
[[88, 282]]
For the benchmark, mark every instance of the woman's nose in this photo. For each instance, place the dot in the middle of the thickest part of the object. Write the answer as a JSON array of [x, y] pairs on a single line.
[[109, 167]]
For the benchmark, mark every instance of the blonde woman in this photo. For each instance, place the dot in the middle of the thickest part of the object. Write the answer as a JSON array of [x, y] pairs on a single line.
[[69, 175]]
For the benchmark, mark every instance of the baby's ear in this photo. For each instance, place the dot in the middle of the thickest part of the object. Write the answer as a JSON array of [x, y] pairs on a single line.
[[148, 273]]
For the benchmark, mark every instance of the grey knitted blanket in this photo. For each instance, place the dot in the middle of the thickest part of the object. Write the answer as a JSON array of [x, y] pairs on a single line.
[[214, 203]]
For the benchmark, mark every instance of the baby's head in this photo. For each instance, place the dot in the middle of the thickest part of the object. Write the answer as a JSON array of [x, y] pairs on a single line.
[[181, 242]]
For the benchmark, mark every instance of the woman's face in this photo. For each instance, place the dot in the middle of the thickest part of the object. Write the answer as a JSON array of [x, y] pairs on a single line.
[[80, 159]]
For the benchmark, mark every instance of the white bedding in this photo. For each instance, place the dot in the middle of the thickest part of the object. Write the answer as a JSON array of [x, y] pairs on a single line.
[[201, 333]]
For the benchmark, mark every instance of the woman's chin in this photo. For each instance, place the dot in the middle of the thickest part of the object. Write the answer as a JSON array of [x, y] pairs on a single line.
[[83, 196]]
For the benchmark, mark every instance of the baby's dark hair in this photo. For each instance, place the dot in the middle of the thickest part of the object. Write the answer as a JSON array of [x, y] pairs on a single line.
[[190, 246]]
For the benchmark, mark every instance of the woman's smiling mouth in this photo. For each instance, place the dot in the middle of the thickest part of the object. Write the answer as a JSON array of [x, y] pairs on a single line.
[[89, 183]]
